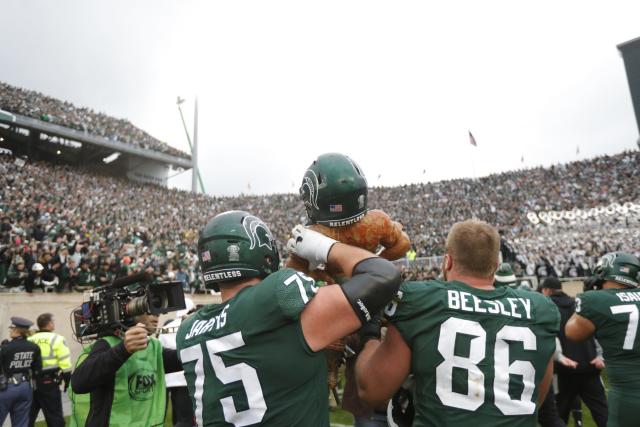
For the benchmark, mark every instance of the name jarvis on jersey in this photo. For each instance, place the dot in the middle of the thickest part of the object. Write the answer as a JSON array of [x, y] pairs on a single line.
[[513, 307], [200, 327]]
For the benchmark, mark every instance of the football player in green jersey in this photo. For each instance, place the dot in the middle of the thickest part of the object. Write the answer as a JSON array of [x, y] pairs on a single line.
[[256, 358], [611, 314], [480, 355]]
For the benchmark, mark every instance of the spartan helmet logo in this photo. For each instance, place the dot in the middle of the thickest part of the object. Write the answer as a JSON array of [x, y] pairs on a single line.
[[607, 260], [310, 181], [251, 226]]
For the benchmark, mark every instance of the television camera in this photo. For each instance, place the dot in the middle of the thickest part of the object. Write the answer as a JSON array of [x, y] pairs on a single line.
[[113, 307]]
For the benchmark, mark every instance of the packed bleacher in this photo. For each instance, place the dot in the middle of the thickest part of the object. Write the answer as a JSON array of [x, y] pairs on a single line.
[[42, 107], [85, 229]]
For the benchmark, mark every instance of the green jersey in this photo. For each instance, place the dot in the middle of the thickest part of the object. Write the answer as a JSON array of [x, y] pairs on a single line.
[[614, 313], [477, 356], [246, 360]]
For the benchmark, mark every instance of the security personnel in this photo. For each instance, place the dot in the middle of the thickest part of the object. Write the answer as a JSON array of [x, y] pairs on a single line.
[[20, 361], [56, 367]]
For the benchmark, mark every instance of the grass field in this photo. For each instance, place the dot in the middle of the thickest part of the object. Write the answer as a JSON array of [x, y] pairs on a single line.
[[341, 418]]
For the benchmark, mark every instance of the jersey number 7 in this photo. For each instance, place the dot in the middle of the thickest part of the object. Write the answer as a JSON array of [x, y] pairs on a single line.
[[632, 327]]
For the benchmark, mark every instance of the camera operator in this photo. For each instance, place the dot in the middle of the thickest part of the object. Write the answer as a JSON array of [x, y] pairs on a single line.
[[125, 378]]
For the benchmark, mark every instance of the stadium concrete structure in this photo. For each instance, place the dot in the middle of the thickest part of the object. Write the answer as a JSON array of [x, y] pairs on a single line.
[[40, 140], [630, 51]]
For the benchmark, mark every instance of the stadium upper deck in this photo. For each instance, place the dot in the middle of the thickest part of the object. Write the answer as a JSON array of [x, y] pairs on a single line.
[[83, 122]]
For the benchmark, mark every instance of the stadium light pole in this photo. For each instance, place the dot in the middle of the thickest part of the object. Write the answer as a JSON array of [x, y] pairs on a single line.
[[194, 152], [195, 170]]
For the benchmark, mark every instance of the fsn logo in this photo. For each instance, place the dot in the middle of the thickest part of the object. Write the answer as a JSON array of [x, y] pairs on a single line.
[[142, 384]]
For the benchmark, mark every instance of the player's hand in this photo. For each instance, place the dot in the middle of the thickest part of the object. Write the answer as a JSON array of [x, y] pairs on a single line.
[[136, 338], [569, 363], [598, 362], [310, 245], [371, 330]]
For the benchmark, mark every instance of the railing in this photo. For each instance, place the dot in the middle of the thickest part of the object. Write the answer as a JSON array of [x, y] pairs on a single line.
[[421, 262], [426, 263]]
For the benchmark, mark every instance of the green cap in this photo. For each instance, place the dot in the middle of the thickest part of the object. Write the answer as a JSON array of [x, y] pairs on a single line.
[[504, 276]]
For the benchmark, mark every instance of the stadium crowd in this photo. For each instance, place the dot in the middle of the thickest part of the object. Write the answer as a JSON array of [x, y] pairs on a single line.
[[83, 229], [34, 104]]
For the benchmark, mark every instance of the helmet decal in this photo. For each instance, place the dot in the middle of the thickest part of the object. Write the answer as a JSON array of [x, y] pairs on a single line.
[[251, 225], [607, 260], [312, 185], [234, 252]]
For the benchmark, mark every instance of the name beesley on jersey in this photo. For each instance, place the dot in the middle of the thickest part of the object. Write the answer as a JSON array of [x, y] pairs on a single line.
[[518, 308]]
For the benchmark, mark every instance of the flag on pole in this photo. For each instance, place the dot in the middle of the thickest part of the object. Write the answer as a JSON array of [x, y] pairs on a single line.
[[472, 140]]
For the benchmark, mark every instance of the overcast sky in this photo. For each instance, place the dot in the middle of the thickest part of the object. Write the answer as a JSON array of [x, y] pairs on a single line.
[[396, 85]]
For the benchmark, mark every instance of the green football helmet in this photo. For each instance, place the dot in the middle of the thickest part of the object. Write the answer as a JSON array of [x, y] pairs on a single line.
[[504, 276], [236, 245], [619, 267], [334, 191]]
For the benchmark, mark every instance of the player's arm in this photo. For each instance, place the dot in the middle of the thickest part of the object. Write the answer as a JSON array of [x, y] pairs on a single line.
[[299, 264], [579, 328], [382, 367], [296, 263], [545, 384], [396, 242], [338, 310]]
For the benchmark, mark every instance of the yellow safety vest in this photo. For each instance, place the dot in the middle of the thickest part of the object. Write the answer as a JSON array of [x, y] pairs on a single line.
[[54, 351]]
